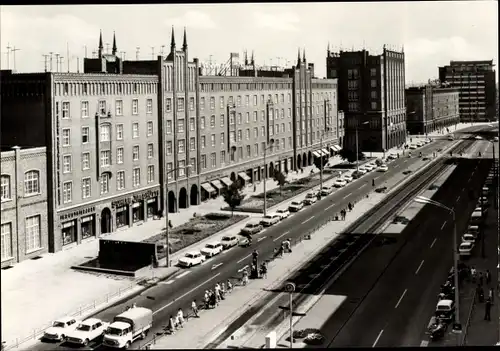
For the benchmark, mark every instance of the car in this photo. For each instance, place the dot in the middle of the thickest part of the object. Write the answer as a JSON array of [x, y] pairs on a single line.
[[420, 143], [339, 183], [428, 140], [243, 241], [357, 174], [252, 228], [361, 170], [283, 213], [478, 137], [269, 220], [465, 248], [392, 156], [495, 138], [382, 168], [485, 191], [310, 199], [445, 309], [229, 241], [296, 206], [60, 328], [191, 259], [368, 167], [450, 137], [88, 330], [212, 249], [325, 191], [468, 238], [348, 178], [413, 146], [483, 201], [473, 229]]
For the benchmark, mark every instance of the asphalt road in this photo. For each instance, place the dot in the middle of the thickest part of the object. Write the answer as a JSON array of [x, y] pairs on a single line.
[[179, 291], [389, 288]]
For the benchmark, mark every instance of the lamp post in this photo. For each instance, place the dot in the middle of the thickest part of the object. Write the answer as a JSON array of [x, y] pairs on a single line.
[[423, 200], [321, 160], [268, 146], [357, 151], [290, 288], [167, 232]]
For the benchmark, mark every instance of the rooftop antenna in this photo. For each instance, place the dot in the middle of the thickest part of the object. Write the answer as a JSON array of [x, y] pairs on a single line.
[[67, 54], [8, 55], [137, 53], [77, 64], [51, 53], [123, 55], [107, 48], [161, 50], [46, 57], [57, 62], [152, 52], [61, 63], [14, 56], [85, 48]]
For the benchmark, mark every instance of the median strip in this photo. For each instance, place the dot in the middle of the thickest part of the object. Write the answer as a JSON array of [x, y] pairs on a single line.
[[443, 225], [433, 242], [215, 266], [285, 233], [260, 239]]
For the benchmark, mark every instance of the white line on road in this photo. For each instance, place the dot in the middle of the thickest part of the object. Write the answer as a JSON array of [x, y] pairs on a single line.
[[420, 266], [244, 258], [396, 166], [346, 196], [183, 274], [168, 282], [262, 238], [424, 343], [307, 220], [443, 225], [217, 265], [378, 337], [362, 186], [242, 268], [285, 233], [185, 294], [458, 198], [433, 242], [326, 209], [401, 298]]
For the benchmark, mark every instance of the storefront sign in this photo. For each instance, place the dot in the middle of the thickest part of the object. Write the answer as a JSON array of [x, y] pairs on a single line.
[[135, 198], [150, 201], [137, 204], [86, 219], [77, 213], [121, 209], [213, 176], [68, 224]]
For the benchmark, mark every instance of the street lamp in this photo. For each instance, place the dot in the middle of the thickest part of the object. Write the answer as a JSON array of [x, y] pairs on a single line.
[[357, 151], [268, 146], [167, 246], [321, 159], [423, 200]]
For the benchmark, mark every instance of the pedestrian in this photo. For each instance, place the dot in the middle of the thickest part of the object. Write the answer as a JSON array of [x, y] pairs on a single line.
[[180, 316], [222, 291], [171, 325], [373, 182], [177, 321], [343, 214], [275, 252], [480, 278], [229, 286], [170, 224], [480, 293], [289, 245], [349, 206], [254, 188], [207, 299], [217, 293], [280, 251], [488, 277], [473, 273], [245, 276], [194, 307], [213, 300], [490, 294], [487, 310]]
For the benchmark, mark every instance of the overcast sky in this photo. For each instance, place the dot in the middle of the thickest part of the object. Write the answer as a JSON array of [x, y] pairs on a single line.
[[433, 32]]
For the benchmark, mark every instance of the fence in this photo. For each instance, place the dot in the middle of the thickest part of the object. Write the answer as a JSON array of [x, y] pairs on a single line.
[[469, 316]]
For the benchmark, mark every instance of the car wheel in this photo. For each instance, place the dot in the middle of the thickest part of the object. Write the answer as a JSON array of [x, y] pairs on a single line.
[[127, 345], [63, 338], [190, 265], [86, 342], [143, 336]]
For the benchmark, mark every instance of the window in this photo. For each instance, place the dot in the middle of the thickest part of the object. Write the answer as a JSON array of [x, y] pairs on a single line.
[[231, 118], [192, 144], [119, 132], [203, 161], [31, 183], [6, 241], [213, 160], [168, 104], [66, 137], [203, 141], [151, 173], [85, 135], [212, 139], [238, 101], [221, 101], [223, 157], [202, 103], [169, 170], [65, 109], [282, 100], [240, 135], [255, 116], [247, 100], [150, 150], [202, 123], [374, 105], [135, 153], [232, 136], [105, 132], [212, 103], [104, 183], [373, 83], [5, 188], [182, 168], [120, 180], [240, 119], [135, 106], [135, 130], [262, 131], [212, 121], [222, 120], [373, 94], [192, 124], [262, 116], [192, 163], [249, 151], [149, 106], [86, 160], [373, 72], [105, 155], [169, 127], [181, 146], [255, 100], [32, 234], [247, 117], [67, 190], [256, 149], [102, 107], [136, 177], [222, 138], [169, 148], [247, 134], [255, 132], [119, 155], [191, 103], [86, 188], [66, 163], [85, 109], [119, 107]]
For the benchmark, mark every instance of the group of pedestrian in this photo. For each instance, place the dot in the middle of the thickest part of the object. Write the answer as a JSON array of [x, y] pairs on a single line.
[[177, 322], [483, 279]]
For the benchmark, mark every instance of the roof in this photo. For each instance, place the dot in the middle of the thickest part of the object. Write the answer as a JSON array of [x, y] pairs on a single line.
[[91, 321], [192, 253], [64, 319], [214, 243], [445, 302], [120, 325], [135, 312]]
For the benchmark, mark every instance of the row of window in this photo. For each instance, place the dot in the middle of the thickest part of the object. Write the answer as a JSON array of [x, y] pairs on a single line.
[[102, 109], [243, 86], [31, 185], [32, 236], [105, 157], [111, 88]]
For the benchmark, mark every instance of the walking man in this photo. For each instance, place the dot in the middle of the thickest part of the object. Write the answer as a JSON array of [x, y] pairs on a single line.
[[488, 277], [487, 307], [194, 307], [180, 317]]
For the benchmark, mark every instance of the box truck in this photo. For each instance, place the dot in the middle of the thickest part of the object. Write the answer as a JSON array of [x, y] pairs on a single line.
[[128, 326]]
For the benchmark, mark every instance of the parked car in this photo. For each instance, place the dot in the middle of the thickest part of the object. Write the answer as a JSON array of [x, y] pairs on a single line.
[[310, 199], [383, 168], [60, 328], [128, 326], [428, 140], [468, 238], [495, 138], [445, 309], [473, 229], [88, 330], [358, 174], [269, 220], [212, 249], [348, 178], [485, 191], [191, 259], [229, 241], [283, 213], [465, 248], [251, 228], [413, 146], [296, 206], [483, 201], [478, 137], [420, 143], [392, 156], [243, 241], [326, 191], [450, 137], [361, 170], [368, 167], [339, 183]]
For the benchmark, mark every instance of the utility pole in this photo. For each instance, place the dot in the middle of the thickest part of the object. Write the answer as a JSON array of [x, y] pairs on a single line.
[[85, 49], [14, 56], [67, 54], [161, 52], [107, 48], [51, 53], [57, 62], [45, 59], [61, 63], [8, 55], [152, 52], [137, 53]]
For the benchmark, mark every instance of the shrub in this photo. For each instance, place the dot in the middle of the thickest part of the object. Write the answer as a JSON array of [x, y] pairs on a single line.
[[216, 216]]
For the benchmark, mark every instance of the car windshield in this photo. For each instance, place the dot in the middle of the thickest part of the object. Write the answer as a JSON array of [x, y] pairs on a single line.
[[465, 245], [295, 203], [114, 331], [59, 324], [443, 308], [83, 327], [268, 216], [190, 256], [210, 246], [281, 211], [226, 238]]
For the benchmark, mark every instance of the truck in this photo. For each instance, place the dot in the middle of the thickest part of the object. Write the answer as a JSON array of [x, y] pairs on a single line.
[[128, 326]]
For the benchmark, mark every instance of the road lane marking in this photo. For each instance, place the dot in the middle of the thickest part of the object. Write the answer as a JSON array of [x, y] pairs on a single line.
[[362, 186], [326, 209], [396, 166], [185, 294], [168, 282], [244, 258], [242, 268], [458, 198], [285, 233], [433, 242], [424, 343], [378, 337], [262, 238], [401, 298], [420, 266], [307, 220], [217, 265], [443, 225], [183, 274], [346, 196]]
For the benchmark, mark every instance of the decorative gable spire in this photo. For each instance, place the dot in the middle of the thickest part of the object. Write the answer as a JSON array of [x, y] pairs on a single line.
[[304, 56], [328, 49], [114, 44], [298, 58], [101, 47], [252, 60], [172, 40], [184, 44]]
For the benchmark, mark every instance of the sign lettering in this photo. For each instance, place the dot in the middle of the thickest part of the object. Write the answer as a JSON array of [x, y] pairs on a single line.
[[135, 198], [77, 213]]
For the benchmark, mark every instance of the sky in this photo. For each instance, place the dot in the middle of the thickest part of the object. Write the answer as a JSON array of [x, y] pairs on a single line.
[[432, 33]]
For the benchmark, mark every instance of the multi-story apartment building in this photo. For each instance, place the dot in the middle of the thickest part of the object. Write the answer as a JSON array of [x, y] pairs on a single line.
[[25, 232], [371, 89], [475, 81], [122, 134], [431, 107]]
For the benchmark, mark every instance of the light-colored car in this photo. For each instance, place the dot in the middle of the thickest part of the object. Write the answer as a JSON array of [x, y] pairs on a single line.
[[310, 199], [212, 249], [445, 309], [465, 248], [87, 331], [339, 183], [392, 156], [191, 259], [326, 191], [229, 241], [495, 138], [478, 137], [348, 178], [413, 146], [369, 167], [251, 228], [296, 206], [473, 229], [427, 141], [468, 238], [270, 219], [382, 168], [420, 143], [60, 328], [283, 213], [361, 171]]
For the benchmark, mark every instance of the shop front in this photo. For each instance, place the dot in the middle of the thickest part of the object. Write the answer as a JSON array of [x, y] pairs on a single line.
[[138, 211], [77, 225], [152, 207], [135, 208], [87, 226], [69, 232], [122, 216]]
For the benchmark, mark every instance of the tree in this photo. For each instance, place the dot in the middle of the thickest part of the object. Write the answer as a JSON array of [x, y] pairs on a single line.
[[320, 162], [350, 155], [280, 178], [233, 196]]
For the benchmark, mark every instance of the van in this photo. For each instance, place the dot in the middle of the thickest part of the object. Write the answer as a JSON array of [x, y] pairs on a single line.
[[128, 326]]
